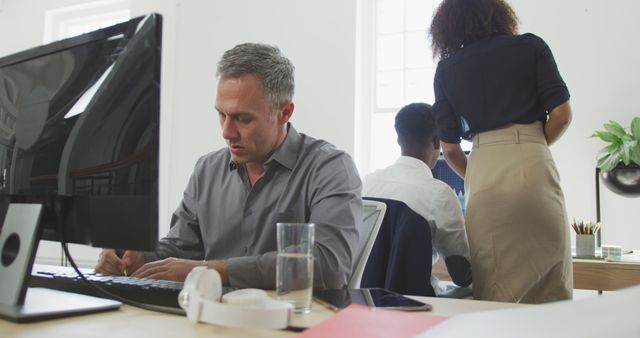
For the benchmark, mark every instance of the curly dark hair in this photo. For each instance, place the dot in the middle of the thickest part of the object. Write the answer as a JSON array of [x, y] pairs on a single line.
[[457, 23]]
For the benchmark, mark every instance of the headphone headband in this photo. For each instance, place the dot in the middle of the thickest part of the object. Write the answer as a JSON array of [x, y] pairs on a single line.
[[247, 308]]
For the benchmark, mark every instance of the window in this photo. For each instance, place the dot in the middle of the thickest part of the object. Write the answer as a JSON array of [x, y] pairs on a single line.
[[396, 68], [70, 21], [404, 66]]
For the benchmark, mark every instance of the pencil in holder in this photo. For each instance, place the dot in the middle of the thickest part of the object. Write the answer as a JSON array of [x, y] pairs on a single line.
[[585, 246]]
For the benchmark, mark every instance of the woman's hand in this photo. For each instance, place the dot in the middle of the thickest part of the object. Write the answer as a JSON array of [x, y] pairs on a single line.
[[558, 122]]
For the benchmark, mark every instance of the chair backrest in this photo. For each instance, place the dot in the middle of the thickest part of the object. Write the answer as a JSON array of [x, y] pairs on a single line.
[[400, 259], [373, 213]]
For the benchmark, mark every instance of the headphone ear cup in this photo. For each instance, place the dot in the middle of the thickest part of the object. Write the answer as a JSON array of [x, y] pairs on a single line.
[[201, 283], [209, 284]]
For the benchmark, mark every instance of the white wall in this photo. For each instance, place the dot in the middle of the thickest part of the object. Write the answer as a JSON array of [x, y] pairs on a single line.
[[22, 22], [596, 46]]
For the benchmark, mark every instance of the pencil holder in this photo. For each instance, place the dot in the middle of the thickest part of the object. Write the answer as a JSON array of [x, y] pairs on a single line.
[[585, 246]]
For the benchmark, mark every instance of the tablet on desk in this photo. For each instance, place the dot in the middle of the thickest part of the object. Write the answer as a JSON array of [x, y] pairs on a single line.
[[338, 299]]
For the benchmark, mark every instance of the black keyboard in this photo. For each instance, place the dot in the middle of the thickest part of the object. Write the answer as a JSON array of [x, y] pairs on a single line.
[[148, 291]]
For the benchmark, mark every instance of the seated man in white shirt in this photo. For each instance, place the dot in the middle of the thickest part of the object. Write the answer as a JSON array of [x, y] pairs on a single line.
[[410, 180]]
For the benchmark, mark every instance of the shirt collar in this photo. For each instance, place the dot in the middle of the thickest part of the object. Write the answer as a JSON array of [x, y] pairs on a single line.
[[286, 154], [414, 163], [233, 165]]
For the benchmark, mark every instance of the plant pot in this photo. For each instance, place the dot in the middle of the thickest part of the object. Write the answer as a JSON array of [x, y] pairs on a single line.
[[623, 180]]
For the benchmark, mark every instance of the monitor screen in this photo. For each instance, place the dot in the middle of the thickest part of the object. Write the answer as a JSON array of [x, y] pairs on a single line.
[[79, 134], [443, 172]]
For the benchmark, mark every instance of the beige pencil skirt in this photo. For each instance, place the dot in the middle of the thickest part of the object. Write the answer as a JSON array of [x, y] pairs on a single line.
[[516, 218]]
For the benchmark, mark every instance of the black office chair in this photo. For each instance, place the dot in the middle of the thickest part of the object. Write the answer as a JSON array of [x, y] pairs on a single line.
[[401, 256]]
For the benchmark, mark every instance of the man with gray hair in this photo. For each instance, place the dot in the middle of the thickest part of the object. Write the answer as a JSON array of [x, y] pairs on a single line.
[[268, 173]]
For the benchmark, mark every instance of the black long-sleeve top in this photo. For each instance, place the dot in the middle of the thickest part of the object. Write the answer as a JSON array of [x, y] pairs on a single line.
[[495, 81]]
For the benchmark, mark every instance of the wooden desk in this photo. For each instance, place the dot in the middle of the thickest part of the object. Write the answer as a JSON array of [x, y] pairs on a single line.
[[132, 322], [587, 274], [603, 275]]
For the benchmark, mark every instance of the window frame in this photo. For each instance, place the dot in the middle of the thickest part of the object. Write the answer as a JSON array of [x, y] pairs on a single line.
[[108, 12]]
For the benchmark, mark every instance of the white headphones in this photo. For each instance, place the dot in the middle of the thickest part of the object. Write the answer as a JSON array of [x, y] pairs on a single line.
[[201, 297]]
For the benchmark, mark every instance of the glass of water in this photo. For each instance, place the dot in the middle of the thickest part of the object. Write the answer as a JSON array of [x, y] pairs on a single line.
[[294, 266]]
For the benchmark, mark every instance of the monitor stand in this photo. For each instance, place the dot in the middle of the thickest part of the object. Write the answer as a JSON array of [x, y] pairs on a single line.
[[19, 238]]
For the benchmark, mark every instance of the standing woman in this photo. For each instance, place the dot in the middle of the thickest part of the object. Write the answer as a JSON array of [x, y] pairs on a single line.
[[504, 91]]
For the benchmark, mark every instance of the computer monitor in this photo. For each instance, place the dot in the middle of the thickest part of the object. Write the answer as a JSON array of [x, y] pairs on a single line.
[[79, 134], [79, 149]]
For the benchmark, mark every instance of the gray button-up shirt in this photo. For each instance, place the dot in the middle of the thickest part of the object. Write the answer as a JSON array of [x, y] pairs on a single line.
[[222, 217]]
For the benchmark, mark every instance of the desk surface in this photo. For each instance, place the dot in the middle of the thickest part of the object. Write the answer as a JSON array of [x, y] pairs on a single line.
[[133, 322]]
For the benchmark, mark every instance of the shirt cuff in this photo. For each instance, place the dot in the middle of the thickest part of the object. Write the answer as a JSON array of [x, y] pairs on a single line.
[[245, 272], [452, 140], [557, 100]]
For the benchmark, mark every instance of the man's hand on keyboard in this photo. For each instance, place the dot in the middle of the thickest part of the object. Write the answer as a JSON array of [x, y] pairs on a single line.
[[110, 263], [175, 269]]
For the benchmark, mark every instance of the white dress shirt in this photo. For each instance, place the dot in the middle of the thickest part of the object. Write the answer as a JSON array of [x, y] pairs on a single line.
[[409, 180]]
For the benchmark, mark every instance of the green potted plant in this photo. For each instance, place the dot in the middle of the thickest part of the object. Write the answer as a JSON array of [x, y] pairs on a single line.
[[619, 161]]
